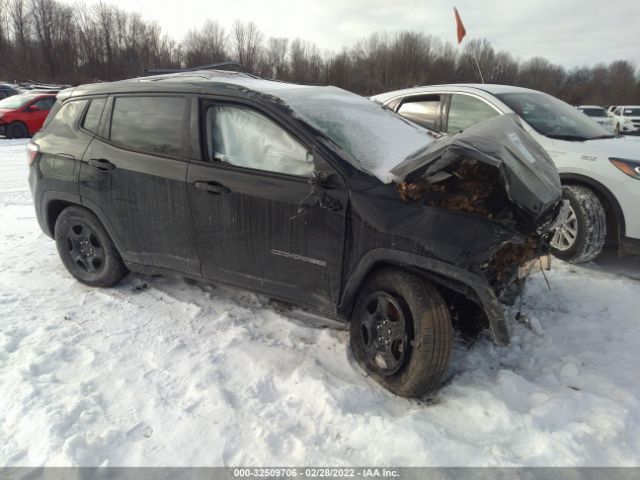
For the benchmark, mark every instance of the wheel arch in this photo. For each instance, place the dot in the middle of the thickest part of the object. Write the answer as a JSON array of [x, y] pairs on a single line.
[[472, 286], [608, 199]]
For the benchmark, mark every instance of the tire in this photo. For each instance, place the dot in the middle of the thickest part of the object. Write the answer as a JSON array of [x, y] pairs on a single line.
[[86, 249], [17, 130], [413, 362], [581, 238]]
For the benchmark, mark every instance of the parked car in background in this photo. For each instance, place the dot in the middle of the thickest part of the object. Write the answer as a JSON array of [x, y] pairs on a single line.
[[7, 91], [598, 114], [626, 119], [23, 115], [312, 195], [600, 172]]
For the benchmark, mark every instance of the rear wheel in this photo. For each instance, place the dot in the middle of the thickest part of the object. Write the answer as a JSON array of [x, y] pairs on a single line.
[[401, 332], [86, 249], [581, 237], [17, 130]]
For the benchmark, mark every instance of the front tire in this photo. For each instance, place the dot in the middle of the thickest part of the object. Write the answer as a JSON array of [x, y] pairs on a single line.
[[581, 237], [17, 130], [86, 249], [401, 332]]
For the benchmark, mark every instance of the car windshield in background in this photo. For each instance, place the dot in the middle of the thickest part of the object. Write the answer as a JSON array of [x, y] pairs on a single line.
[[14, 102], [631, 112], [552, 117], [594, 112]]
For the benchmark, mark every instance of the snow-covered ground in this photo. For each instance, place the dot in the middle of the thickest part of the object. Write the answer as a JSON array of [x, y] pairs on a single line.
[[164, 371]]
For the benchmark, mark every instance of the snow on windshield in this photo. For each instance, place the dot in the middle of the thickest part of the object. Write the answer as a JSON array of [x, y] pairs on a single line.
[[373, 138]]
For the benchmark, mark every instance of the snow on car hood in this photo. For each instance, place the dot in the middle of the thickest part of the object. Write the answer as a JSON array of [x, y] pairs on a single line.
[[529, 175]]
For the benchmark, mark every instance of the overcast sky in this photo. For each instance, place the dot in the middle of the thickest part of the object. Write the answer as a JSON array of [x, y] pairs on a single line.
[[570, 32]]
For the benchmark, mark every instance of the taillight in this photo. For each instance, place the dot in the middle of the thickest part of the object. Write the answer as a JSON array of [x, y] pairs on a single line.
[[32, 152]]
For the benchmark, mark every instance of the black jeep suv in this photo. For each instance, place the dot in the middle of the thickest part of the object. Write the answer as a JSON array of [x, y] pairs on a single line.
[[310, 195]]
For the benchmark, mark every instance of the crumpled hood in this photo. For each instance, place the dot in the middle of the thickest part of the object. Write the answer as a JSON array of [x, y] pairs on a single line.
[[529, 175]]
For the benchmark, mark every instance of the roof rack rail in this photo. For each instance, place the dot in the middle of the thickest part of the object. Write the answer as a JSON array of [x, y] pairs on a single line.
[[209, 66]]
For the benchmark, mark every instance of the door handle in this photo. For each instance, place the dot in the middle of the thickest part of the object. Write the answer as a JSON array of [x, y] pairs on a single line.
[[211, 187], [101, 164]]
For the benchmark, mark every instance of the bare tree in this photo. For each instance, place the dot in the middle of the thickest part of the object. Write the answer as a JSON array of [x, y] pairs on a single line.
[[247, 43]]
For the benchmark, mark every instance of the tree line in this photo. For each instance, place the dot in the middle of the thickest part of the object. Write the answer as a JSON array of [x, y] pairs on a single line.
[[51, 41]]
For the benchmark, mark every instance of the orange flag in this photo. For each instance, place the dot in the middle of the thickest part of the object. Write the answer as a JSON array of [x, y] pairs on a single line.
[[459, 26]]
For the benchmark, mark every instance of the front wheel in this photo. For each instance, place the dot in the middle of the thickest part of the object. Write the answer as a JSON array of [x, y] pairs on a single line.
[[86, 249], [581, 236], [401, 332], [17, 130]]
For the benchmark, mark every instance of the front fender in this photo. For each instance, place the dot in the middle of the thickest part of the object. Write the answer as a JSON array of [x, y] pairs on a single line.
[[471, 285]]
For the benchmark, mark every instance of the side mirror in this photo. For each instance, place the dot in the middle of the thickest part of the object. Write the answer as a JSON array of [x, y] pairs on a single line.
[[33, 108], [326, 181]]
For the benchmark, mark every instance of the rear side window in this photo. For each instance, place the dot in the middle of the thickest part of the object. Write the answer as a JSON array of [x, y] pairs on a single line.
[[94, 113], [61, 124], [423, 111], [148, 124], [465, 111]]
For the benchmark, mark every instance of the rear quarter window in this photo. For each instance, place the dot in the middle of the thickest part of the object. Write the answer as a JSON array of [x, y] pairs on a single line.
[[62, 120], [148, 124], [91, 120]]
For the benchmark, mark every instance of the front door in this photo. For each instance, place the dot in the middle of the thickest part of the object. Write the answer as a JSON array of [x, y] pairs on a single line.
[[245, 198]]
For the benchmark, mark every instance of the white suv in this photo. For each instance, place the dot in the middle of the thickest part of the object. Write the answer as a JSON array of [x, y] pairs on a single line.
[[600, 172], [626, 119], [598, 115]]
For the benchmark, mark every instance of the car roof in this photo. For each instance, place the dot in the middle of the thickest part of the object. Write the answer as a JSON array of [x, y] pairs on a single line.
[[629, 106], [591, 106], [493, 89], [199, 81], [368, 136]]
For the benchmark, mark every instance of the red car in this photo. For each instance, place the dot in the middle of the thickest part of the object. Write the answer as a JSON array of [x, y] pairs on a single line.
[[23, 115]]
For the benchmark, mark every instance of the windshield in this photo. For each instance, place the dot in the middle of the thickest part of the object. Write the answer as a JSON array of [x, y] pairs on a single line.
[[594, 112], [14, 102], [631, 112], [552, 117]]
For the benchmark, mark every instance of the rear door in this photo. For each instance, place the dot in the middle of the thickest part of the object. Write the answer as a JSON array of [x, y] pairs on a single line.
[[245, 194], [133, 176]]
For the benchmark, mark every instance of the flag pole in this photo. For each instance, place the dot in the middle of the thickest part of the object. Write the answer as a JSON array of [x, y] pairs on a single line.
[[478, 65], [461, 33]]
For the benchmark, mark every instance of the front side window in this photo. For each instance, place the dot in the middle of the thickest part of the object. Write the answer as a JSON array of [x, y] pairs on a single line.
[[148, 124], [423, 111], [465, 111], [45, 103], [246, 138], [632, 112]]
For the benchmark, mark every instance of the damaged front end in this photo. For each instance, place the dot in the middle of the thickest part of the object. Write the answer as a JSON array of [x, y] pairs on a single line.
[[494, 171]]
